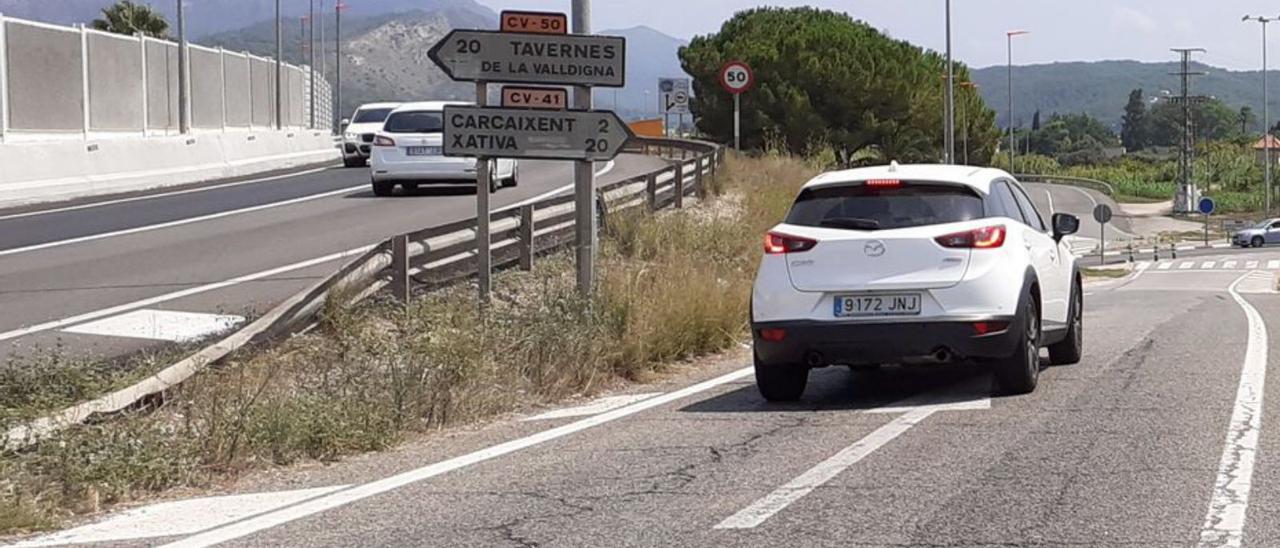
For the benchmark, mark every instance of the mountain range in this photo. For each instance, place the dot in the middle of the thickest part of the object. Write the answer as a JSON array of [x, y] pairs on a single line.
[[1101, 88]]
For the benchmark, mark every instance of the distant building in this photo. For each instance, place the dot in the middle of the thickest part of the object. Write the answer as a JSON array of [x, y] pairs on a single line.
[[1260, 148]]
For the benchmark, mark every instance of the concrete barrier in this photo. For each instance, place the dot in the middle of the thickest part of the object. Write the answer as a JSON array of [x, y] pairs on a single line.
[[61, 169]]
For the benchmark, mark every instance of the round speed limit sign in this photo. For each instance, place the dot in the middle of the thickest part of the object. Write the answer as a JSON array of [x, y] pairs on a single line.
[[736, 77]]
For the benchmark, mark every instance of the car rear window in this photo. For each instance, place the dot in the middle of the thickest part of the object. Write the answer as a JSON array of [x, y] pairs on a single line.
[[858, 206], [371, 116], [415, 121]]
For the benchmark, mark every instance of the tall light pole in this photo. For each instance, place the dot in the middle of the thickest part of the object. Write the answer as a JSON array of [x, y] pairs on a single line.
[[279, 69], [337, 66], [1266, 115], [1013, 143], [184, 123], [950, 141], [311, 60]]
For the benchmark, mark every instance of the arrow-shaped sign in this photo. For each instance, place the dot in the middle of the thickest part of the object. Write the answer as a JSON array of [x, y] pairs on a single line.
[[524, 133], [570, 59]]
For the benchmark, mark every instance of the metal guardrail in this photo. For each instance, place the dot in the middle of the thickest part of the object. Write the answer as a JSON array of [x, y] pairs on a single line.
[[1100, 186], [430, 257]]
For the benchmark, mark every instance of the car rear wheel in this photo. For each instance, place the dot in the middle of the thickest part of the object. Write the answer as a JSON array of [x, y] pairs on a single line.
[[781, 383], [1069, 350], [1019, 373], [1257, 241], [383, 188]]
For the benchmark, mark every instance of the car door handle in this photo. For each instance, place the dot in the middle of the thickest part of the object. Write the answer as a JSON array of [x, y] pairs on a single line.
[[1027, 245]]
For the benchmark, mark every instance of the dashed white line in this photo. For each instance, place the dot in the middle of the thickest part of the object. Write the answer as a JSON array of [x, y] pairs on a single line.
[[359, 492], [1273, 265], [1225, 520]]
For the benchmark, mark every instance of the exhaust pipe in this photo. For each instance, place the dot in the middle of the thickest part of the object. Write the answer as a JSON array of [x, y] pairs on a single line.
[[815, 359], [942, 355]]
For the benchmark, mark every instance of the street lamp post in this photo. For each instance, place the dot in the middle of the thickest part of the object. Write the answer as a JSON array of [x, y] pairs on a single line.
[[1266, 115], [951, 97], [1013, 144]]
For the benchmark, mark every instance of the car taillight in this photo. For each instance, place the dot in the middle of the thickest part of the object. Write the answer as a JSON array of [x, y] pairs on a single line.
[[777, 244], [989, 328], [383, 141], [884, 183], [986, 237]]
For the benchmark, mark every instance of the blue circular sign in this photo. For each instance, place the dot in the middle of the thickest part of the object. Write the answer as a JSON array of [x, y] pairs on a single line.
[[1206, 205]]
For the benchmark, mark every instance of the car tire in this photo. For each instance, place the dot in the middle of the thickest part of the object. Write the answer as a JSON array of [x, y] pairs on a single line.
[[1069, 350], [1257, 241], [494, 185], [781, 383], [514, 181], [383, 188], [1020, 372], [356, 161]]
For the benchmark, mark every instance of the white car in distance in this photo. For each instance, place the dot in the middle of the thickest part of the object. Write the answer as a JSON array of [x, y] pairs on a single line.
[[408, 151], [915, 264], [359, 130]]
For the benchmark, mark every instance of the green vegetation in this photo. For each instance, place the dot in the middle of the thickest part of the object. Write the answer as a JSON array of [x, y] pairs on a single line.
[[130, 17], [835, 82], [673, 285]]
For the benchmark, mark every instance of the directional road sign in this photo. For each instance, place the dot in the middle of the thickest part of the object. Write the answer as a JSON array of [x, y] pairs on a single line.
[[1207, 206], [524, 133], [1102, 213], [570, 59], [673, 94]]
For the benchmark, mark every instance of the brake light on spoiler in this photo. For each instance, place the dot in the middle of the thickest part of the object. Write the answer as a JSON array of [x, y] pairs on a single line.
[[884, 183], [777, 244], [987, 237]]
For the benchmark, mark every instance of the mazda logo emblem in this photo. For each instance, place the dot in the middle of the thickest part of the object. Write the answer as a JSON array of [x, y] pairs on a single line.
[[874, 248]]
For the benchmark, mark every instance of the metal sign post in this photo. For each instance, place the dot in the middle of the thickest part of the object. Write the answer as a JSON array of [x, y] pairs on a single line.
[[584, 173], [484, 181], [1102, 214], [736, 78], [1206, 206]]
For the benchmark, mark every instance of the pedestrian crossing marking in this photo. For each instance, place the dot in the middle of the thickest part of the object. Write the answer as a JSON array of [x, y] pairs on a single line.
[[1229, 265], [1251, 264], [1165, 266], [1186, 265], [1273, 265], [1207, 265]]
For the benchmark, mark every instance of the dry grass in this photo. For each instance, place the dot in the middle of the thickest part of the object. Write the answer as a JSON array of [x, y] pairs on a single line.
[[672, 286]]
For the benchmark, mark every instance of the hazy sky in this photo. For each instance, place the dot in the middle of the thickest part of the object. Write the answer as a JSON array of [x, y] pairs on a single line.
[[1062, 30]]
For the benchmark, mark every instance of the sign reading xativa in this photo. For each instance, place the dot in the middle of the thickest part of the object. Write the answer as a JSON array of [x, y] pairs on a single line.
[[523, 133], [484, 56]]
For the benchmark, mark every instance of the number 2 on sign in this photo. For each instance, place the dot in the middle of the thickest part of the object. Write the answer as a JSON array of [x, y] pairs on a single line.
[[604, 126]]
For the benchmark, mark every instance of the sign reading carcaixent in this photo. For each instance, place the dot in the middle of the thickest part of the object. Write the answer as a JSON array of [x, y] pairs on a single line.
[[569, 59], [524, 133]]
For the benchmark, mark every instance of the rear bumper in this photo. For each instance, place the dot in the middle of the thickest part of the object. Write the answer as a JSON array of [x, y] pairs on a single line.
[[437, 169], [849, 343]]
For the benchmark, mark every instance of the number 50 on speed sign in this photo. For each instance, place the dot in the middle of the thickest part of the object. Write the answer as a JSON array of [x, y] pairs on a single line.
[[736, 77]]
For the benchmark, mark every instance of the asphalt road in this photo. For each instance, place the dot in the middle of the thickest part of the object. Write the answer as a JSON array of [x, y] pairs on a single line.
[[1166, 434], [232, 249], [1050, 199]]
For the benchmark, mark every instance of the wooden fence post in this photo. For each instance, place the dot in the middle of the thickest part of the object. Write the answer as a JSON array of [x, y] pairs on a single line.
[[400, 267], [526, 237], [699, 183], [679, 187], [651, 191]]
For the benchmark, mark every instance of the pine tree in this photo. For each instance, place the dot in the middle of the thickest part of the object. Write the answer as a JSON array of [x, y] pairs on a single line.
[[1134, 133]]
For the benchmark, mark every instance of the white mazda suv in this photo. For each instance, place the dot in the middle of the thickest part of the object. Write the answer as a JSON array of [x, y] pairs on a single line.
[[915, 264]]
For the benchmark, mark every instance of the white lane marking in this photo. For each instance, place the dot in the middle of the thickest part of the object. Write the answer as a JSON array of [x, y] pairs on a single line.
[[915, 409], [1164, 266], [111, 311], [1220, 245], [1251, 264], [183, 517], [161, 325], [1229, 265], [1050, 195], [1224, 522], [1273, 265], [601, 405], [359, 492], [606, 168], [1186, 265], [180, 222], [163, 194], [1208, 265], [802, 485]]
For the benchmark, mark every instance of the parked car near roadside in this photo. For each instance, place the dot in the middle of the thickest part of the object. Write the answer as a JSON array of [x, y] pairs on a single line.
[[1263, 233], [408, 151], [359, 130]]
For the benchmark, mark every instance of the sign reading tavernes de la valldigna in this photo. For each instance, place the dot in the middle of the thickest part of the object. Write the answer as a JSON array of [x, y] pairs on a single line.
[[569, 59]]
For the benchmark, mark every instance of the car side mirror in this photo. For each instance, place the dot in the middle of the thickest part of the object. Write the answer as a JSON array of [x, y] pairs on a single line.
[[1064, 225], [345, 122]]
